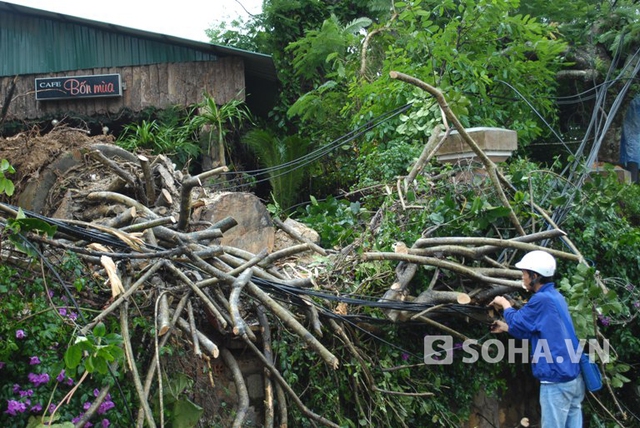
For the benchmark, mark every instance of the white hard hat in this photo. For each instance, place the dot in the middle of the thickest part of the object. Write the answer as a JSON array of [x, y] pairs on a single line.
[[538, 261]]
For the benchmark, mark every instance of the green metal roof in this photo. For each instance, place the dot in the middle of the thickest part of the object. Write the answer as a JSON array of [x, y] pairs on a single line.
[[34, 41]]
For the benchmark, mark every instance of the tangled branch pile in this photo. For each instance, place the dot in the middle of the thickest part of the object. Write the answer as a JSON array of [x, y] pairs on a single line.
[[137, 233]]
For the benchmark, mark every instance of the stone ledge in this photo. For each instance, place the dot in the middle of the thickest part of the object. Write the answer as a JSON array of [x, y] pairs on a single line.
[[497, 143]]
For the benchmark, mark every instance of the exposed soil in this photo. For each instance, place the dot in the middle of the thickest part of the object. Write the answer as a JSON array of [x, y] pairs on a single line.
[[29, 152]]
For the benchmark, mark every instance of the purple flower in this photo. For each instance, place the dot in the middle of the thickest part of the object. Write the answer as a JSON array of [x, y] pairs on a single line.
[[27, 393], [636, 305], [630, 287], [16, 388], [50, 293], [87, 405], [34, 360], [73, 316], [52, 407], [70, 381], [14, 407], [38, 379], [605, 321], [77, 418], [62, 311], [96, 392], [105, 423], [105, 407], [405, 356], [61, 376], [36, 408], [20, 334]]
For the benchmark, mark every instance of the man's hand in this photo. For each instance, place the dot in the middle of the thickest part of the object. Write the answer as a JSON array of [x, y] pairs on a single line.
[[500, 302], [499, 327]]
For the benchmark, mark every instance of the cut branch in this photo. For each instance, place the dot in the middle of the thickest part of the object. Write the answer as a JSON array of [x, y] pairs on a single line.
[[276, 374], [241, 388], [445, 264], [295, 235], [239, 326], [486, 161], [206, 343], [185, 194]]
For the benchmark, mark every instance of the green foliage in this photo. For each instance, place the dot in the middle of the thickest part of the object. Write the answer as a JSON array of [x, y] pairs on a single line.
[[221, 119], [186, 135], [366, 391], [180, 412], [589, 300], [337, 221], [95, 352], [323, 47], [604, 234], [20, 224], [385, 164], [36, 322], [277, 156], [6, 185], [170, 135]]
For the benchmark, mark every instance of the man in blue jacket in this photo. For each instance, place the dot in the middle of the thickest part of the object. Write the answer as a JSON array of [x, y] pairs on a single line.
[[630, 139], [543, 321]]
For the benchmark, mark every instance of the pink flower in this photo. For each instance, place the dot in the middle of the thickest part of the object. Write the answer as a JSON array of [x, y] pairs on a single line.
[[20, 334]]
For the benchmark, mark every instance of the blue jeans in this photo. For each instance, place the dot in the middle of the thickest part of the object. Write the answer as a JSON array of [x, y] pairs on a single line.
[[561, 403]]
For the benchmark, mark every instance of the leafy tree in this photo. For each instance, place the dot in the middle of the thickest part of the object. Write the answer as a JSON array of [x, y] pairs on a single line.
[[277, 155], [341, 95], [218, 121]]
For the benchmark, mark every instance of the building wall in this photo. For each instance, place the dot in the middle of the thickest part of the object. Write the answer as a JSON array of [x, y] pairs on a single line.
[[158, 85]]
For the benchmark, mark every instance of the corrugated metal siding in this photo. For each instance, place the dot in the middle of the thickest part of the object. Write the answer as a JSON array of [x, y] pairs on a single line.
[[32, 45]]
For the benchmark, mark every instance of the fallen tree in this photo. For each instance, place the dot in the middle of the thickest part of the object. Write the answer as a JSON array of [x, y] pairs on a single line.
[[137, 234]]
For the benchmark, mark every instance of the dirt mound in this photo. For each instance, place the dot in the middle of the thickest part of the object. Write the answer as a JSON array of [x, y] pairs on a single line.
[[30, 153]]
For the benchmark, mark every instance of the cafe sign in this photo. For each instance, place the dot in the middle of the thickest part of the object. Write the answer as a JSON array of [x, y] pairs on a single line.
[[71, 87]]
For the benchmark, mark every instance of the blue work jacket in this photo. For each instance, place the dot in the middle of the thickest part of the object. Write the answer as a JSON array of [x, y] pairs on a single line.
[[630, 136], [553, 359]]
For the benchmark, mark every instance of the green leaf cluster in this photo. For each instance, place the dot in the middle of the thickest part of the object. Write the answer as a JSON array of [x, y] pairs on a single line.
[[6, 185], [95, 352]]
